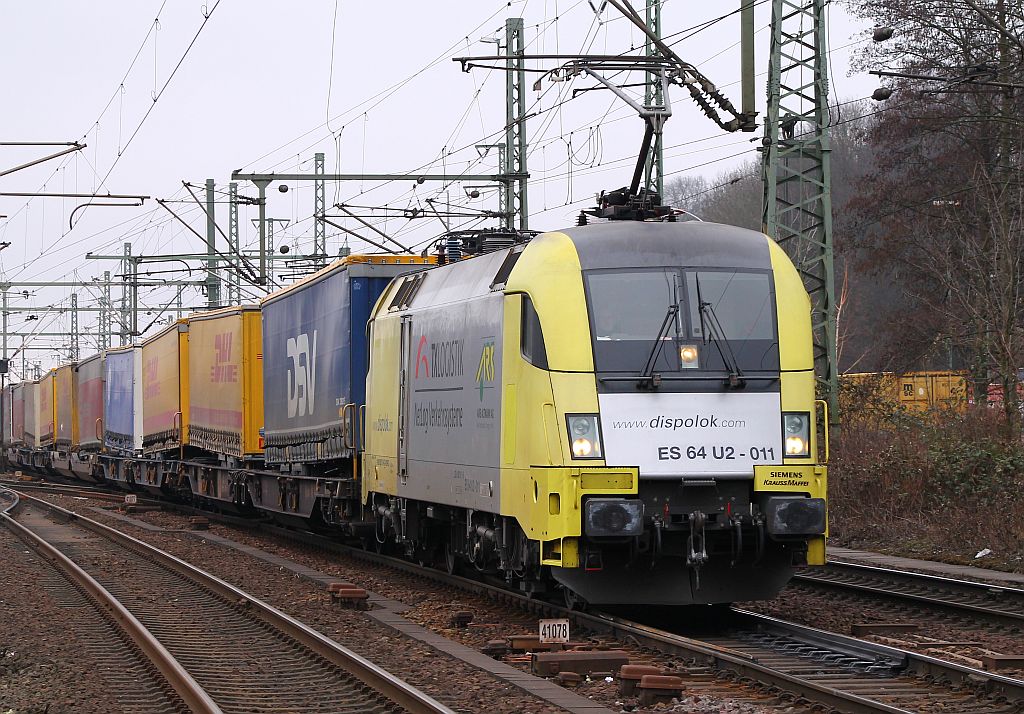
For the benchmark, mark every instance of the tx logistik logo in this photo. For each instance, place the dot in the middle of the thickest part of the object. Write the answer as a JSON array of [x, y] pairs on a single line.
[[421, 358], [439, 360], [301, 375], [485, 370]]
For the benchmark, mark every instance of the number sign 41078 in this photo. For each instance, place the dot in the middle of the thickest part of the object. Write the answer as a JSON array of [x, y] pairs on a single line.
[[554, 631]]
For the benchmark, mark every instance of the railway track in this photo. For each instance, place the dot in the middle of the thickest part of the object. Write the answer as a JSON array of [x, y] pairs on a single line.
[[73, 489], [218, 648], [8, 500], [814, 667], [849, 674], [996, 603]]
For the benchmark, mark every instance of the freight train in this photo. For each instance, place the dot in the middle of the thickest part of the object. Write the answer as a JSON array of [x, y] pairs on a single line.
[[615, 413]]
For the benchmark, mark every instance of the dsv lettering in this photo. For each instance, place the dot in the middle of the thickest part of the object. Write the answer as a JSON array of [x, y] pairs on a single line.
[[301, 375]]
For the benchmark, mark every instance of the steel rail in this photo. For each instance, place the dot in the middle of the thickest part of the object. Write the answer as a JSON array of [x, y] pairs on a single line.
[[190, 692], [96, 492], [10, 495], [375, 677], [889, 582], [911, 662]]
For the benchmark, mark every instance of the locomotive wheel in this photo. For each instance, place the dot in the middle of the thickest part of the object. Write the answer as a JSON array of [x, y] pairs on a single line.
[[573, 601], [382, 548], [451, 559]]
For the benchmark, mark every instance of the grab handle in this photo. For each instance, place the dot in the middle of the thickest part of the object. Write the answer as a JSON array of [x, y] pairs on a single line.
[[824, 409], [362, 425], [348, 418]]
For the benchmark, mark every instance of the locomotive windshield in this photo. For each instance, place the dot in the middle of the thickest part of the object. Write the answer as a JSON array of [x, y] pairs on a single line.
[[629, 307]]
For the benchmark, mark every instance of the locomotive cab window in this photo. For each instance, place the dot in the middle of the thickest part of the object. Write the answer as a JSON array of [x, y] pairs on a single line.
[[741, 301], [532, 339], [690, 314], [738, 307]]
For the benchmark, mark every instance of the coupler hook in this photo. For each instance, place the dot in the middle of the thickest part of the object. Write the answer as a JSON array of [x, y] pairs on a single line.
[[737, 541], [696, 554]]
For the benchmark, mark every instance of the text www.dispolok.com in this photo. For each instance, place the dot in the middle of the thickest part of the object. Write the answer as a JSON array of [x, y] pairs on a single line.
[[670, 423]]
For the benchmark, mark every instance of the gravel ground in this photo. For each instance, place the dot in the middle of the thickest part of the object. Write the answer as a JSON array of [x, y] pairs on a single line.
[[431, 606], [44, 667], [936, 548]]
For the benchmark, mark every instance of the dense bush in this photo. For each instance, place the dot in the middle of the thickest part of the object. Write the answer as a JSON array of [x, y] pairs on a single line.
[[940, 484]]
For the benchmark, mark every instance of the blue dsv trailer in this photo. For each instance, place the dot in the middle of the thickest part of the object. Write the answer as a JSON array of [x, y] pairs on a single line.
[[314, 357]]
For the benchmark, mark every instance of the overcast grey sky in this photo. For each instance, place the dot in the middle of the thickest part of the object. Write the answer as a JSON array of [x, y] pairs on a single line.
[[258, 90]]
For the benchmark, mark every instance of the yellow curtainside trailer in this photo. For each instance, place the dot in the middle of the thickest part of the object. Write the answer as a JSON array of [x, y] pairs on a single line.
[[66, 409], [165, 373], [66, 412], [46, 409], [226, 381]]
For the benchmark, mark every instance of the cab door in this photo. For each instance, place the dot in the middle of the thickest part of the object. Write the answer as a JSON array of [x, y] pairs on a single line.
[[404, 394]]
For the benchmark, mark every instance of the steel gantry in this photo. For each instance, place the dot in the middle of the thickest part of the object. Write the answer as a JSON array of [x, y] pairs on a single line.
[[654, 96], [262, 180], [319, 209], [797, 175], [515, 126], [234, 247]]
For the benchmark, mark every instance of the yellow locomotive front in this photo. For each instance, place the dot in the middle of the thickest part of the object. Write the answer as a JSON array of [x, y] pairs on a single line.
[[622, 411], [698, 355]]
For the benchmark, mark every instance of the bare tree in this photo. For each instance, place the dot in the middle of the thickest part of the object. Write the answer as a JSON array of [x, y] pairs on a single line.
[[980, 270], [942, 204], [732, 197]]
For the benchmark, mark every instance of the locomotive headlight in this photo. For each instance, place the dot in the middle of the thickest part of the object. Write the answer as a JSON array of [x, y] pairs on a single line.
[[581, 448], [688, 357], [584, 436], [795, 446], [796, 428]]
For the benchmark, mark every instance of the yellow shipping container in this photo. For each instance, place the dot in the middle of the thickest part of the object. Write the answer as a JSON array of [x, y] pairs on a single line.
[[165, 388], [46, 415], [929, 390], [912, 391], [226, 381], [66, 409]]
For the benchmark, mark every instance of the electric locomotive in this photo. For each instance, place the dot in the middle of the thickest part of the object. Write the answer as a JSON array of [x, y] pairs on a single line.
[[624, 412], [617, 413]]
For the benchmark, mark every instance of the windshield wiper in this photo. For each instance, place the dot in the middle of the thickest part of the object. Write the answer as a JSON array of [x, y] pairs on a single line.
[[647, 376], [713, 327]]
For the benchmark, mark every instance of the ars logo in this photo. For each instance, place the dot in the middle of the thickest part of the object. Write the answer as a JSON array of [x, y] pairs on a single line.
[[485, 370], [301, 375]]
